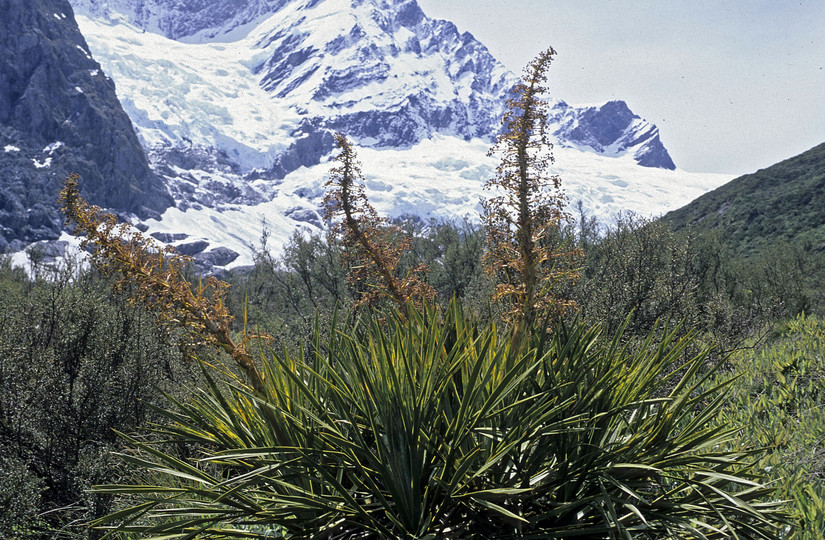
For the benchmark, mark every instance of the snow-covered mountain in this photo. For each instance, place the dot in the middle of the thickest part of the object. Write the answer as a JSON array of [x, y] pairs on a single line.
[[236, 101], [380, 71]]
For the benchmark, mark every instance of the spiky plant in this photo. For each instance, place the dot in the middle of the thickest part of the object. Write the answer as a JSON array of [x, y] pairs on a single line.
[[429, 426], [523, 215], [372, 247], [423, 424]]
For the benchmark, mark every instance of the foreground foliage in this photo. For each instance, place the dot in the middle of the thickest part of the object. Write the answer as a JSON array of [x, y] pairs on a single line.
[[780, 396], [428, 426], [76, 362], [156, 277]]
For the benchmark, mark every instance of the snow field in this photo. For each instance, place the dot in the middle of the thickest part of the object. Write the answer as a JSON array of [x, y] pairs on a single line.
[[440, 178]]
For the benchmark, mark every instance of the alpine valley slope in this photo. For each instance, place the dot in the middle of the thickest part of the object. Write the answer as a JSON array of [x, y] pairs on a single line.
[[778, 205], [236, 104]]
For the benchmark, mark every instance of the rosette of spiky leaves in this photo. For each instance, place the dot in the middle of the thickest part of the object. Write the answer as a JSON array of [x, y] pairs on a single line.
[[649, 459], [384, 431], [155, 277], [523, 215], [372, 247], [430, 426]]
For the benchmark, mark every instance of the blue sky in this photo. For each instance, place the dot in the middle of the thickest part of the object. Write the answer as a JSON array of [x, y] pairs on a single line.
[[734, 85]]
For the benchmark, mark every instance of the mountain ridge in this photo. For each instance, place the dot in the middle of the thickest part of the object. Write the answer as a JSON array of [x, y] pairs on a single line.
[[320, 54]]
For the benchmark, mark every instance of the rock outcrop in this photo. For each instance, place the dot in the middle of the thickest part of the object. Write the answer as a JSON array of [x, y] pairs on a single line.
[[59, 114]]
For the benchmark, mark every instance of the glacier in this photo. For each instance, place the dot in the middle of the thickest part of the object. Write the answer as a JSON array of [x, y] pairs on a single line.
[[442, 177]]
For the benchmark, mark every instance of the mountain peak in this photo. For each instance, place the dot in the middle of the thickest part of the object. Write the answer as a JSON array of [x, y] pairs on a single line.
[[378, 70], [611, 129]]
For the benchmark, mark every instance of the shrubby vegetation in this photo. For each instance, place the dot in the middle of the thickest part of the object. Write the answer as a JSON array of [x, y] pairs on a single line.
[[780, 397], [308, 275], [776, 205], [535, 377], [638, 266], [77, 362], [427, 425]]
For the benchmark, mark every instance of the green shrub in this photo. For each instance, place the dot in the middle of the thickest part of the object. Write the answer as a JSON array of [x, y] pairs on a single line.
[[20, 499], [76, 363], [452, 251], [282, 295], [638, 266]]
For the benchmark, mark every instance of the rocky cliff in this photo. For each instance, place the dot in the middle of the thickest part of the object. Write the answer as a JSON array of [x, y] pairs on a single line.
[[59, 114], [610, 129]]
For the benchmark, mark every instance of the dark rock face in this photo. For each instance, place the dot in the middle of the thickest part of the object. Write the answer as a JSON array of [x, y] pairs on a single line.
[[220, 256], [59, 114], [304, 215], [311, 143], [603, 125], [655, 154], [192, 248], [168, 238]]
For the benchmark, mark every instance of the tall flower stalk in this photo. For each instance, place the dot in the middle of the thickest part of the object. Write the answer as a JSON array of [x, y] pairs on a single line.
[[523, 215], [155, 277], [372, 247]]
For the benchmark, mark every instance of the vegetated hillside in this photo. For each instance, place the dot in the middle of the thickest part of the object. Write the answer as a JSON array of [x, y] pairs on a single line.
[[783, 202]]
